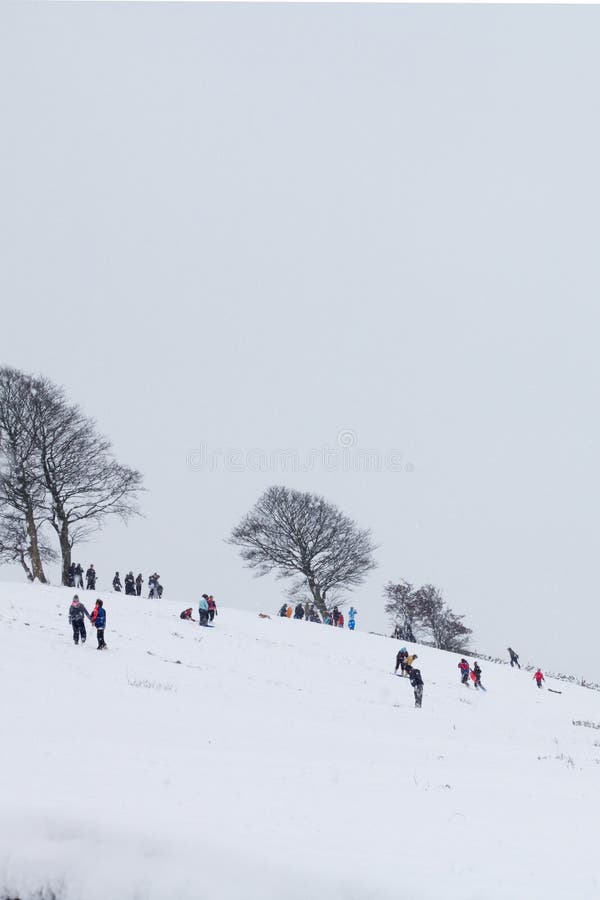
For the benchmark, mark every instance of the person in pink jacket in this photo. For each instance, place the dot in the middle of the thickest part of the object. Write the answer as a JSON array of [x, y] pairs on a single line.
[[539, 677]]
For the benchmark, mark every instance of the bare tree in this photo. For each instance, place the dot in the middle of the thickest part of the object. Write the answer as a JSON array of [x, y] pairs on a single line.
[[422, 615], [84, 483], [402, 609], [54, 468], [446, 629], [303, 537], [21, 491]]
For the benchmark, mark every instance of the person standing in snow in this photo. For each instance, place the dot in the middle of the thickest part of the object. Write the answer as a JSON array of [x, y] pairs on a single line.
[[77, 614], [340, 620], [336, 615], [203, 610], [476, 676], [539, 677], [417, 683], [465, 670], [514, 658], [283, 611], [351, 617], [299, 611], [71, 578], [212, 608], [400, 660], [99, 623], [138, 585], [78, 576], [155, 589], [90, 577], [130, 584], [117, 583]]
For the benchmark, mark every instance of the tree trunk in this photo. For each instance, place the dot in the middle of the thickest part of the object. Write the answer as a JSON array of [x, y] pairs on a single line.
[[37, 569], [28, 571], [318, 598], [65, 549]]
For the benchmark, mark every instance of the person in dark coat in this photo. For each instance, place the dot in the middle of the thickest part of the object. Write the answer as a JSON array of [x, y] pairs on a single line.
[[138, 585], [417, 683], [90, 577], [78, 576], [130, 584], [299, 611], [71, 578], [401, 660], [335, 615], [283, 611], [212, 608], [476, 676], [77, 615], [514, 658], [155, 589], [117, 582], [99, 623]]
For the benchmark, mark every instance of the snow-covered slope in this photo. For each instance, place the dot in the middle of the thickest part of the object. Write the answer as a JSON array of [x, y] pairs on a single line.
[[267, 758]]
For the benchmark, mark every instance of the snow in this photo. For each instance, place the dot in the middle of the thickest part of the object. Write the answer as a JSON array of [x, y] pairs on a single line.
[[267, 758]]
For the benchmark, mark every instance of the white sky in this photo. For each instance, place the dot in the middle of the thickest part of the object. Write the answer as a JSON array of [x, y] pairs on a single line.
[[255, 227]]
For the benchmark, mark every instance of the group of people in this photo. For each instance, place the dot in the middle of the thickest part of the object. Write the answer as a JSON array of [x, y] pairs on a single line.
[[77, 616], [538, 676], [75, 578], [133, 585], [309, 613], [207, 610], [405, 662], [470, 674]]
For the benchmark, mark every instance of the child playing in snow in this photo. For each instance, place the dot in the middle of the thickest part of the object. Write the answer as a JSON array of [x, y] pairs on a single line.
[[465, 670], [99, 623], [539, 677], [77, 614], [187, 614]]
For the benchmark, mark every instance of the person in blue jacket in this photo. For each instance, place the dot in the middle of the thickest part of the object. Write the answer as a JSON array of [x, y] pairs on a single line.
[[203, 610], [99, 623], [351, 615]]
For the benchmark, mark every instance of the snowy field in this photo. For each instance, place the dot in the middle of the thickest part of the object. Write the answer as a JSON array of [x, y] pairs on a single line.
[[267, 758]]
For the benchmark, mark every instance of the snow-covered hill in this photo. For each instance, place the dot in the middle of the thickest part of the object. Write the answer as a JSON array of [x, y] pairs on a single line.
[[266, 758]]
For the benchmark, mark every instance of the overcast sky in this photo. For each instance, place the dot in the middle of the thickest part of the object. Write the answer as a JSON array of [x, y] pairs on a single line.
[[245, 229]]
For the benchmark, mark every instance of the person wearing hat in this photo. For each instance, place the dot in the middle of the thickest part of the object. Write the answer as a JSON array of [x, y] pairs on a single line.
[[77, 614], [99, 623]]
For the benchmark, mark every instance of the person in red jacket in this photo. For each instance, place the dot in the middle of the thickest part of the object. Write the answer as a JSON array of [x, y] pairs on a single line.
[[187, 614], [212, 608], [539, 677], [465, 670]]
